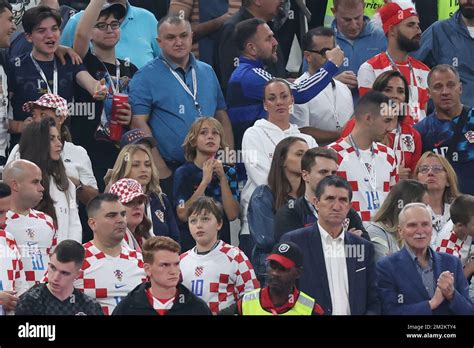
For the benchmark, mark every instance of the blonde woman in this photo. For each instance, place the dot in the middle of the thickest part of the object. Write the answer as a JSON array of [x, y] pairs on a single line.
[[442, 182], [135, 162]]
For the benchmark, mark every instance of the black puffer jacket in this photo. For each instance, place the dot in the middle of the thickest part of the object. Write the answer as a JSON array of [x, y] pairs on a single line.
[[136, 303]]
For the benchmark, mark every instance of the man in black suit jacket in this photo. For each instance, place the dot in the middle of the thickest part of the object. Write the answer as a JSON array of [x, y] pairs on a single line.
[[339, 266]]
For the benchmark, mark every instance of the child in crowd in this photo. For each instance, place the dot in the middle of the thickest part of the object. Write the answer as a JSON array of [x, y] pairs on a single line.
[[204, 174], [213, 270]]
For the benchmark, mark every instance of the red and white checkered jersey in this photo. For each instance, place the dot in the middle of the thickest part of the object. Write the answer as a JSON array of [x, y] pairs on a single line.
[[450, 243], [109, 279], [375, 66], [35, 236], [12, 276], [364, 200], [220, 277]]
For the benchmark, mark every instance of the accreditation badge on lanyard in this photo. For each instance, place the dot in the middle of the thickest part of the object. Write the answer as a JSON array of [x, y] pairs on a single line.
[[43, 76], [192, 94], [369, 170]]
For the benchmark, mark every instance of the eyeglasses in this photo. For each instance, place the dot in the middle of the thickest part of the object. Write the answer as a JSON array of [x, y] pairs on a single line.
[[321, 52], [426, 169], [102, 26]]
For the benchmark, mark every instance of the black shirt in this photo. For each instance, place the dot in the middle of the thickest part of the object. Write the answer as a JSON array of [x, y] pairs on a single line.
[[40, 301], [101, 150]]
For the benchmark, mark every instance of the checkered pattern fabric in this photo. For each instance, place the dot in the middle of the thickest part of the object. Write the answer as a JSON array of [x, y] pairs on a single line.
[[12, 276], [350, 168], [127, 190], [35, 235], [220, 277], [109, 279], [51, 101], [375, 66], [451, 245], [40, 301]]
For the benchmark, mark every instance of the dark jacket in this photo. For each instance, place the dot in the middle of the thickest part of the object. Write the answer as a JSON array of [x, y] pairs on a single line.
[[162, 217], [398, 278], [228, 54], [136, 303], [360, 270], [297, 214]]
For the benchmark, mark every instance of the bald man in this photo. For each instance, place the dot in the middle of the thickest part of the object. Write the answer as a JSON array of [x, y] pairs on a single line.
[[417, 280], [33, 230]]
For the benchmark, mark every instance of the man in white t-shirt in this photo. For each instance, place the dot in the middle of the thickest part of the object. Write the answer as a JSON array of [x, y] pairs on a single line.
[[111, 269], [369, 166], [33, 230], [325, 115]]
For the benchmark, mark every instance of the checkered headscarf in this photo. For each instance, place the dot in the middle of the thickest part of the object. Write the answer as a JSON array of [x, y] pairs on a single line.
[[127, 190], [51, 101]]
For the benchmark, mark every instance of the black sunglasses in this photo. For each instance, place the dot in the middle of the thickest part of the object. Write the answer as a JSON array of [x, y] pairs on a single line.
[[321, 52]]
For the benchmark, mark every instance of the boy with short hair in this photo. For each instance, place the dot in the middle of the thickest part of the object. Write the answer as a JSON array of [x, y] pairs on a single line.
[[458, 241], [213, 270]]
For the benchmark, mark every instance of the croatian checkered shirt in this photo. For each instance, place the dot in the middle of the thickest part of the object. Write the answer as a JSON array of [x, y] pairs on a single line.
[[220, 277], [109, 279], [375, 66], [350, 168], [12, 276], [35, 236], [450, 243]]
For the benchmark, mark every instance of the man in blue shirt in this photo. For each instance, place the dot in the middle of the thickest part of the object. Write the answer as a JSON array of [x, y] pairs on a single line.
[[138, 35], [451, 42], [258, 48], [449, 130], [170, 92]]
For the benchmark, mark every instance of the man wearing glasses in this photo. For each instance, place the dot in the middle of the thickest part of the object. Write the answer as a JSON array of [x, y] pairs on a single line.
[[449, 130], [100, 25], [323, 116]]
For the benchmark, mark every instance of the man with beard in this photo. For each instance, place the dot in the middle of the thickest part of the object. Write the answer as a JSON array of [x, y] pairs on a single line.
[[402, 28], [369, 166], [452, 42], [281, 296], [258, 48]]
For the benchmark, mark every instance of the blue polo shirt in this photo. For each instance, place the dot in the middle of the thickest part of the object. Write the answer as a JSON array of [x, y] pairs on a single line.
[[156, 92], [138, 34]]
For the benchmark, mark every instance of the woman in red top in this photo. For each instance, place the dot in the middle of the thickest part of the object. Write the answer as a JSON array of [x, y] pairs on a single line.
[[404, 140]]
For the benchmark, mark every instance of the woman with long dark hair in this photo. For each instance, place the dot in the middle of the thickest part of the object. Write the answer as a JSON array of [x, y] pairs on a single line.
[[41, 144], [404, 140], [284, 183]]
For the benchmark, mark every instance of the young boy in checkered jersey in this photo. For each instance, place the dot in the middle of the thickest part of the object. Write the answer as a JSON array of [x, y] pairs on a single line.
[[456, 237], [213, 270]]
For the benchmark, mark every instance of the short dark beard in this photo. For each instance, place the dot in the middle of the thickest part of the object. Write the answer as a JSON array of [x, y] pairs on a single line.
[[466, 12], [406, 44]]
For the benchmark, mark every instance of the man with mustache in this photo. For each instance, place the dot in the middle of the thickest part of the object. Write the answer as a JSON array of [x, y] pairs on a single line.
[[451, 42], [417, 280], [402, 28]]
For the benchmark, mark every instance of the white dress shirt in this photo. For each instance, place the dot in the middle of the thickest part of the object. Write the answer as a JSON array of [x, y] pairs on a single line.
[[336, 269]]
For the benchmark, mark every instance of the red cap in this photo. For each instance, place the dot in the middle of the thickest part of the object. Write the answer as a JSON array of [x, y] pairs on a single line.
[[127, 190], [394, 13]]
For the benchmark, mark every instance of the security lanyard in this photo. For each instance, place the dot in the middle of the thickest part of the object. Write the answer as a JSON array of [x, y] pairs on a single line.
[[371, 175], [334, 104], [43, 76], [395, 67], [193, 94], [116, 88]]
